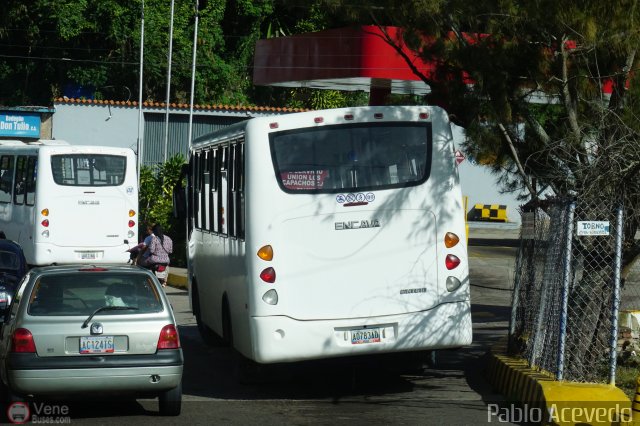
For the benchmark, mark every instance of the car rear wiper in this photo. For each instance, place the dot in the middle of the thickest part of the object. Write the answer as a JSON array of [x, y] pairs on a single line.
[[107, 308]]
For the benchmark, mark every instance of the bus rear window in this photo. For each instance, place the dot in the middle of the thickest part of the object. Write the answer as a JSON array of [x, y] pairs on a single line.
[[354, 157], [88, 169]]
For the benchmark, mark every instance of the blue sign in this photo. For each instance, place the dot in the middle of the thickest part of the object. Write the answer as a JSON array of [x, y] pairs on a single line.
[[23, 124]]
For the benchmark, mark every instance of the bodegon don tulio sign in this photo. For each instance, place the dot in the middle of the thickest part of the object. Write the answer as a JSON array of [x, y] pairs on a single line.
[[23, 124]]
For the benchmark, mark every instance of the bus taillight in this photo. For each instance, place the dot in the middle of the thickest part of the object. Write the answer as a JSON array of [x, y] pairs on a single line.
[[270, 297], [132, 213], [268, 275], [451, 239], [266, 253], [45, 212], [45, 223], [453, 283], [452, 261], [131, 224], [424, 115]]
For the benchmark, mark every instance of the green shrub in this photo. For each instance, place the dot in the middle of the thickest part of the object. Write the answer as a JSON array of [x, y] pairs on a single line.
[[156, 203]]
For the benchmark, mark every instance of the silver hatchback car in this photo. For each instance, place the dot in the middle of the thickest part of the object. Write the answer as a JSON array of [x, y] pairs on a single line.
[[105, 329]]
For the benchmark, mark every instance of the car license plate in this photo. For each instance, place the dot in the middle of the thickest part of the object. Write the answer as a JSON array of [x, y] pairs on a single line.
[[96, 344], [365, 335], [88, 255]]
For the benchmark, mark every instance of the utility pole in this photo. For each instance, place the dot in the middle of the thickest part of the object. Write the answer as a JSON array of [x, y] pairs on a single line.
[[193, 73], [166, 127], [140, 124]]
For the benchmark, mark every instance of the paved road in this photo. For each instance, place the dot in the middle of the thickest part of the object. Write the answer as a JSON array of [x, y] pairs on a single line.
[[375, 391]]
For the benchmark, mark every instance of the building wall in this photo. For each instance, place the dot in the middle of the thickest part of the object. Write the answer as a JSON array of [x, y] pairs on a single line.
[[94, 124]]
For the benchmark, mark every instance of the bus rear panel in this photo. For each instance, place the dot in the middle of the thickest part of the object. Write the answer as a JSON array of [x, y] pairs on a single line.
[[79, 204], [361, 210]]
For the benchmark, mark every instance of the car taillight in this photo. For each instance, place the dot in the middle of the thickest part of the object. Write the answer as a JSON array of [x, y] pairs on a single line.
[[169, 338], [22, 341]]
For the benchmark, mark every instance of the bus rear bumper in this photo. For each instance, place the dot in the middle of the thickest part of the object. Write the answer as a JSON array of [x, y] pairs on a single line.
[[47, 254], [284, 339]]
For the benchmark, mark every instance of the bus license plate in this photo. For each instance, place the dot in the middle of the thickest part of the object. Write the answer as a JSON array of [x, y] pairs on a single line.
[[365, 335], [96, 344], [89, 255]]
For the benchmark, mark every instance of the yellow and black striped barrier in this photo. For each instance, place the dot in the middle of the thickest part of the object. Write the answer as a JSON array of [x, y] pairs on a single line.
[[488, 213], [635, 404]]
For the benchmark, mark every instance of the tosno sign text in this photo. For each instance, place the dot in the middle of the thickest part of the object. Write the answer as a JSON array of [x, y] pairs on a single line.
[[593, 227], [24, 124]]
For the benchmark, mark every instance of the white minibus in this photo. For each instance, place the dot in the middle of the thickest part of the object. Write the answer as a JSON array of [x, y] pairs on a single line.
[[68, 204], [329, 233]]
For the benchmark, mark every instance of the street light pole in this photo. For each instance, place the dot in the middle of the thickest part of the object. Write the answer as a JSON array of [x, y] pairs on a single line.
[[140, 124], [193, 74], [166, 127]]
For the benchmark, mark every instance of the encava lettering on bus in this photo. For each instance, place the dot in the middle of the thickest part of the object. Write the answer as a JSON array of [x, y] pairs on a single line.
[[307, 179], [357, 224]]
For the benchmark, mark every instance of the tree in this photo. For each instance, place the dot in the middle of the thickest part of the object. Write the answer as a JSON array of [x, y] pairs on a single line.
[[536, 110], [48, 46]]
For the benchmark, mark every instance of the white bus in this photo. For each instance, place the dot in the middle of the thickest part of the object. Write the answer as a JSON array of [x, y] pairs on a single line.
[[68, 204], [329, 233]]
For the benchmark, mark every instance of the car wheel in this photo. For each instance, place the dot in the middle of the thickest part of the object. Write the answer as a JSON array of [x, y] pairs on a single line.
[[170, 402], [207, 335]]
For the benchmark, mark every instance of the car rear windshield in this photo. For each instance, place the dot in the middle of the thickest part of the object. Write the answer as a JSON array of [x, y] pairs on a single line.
[[9, 261], [353, 157], [83, 292], [88, 169]]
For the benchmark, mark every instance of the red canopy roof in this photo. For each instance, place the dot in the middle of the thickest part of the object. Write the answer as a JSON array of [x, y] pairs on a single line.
[[356, 58]]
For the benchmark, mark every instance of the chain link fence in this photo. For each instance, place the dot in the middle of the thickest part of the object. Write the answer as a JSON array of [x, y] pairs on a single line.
[[567, 289]]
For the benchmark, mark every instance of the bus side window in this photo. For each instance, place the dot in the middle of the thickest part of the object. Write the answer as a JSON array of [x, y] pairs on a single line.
[[223, 190], [239, 187], [231, 198], [31, 180], [211, 216], [204, 183], [21, 180], [218, 186], [6, 178], [196, 192], [190, 194]]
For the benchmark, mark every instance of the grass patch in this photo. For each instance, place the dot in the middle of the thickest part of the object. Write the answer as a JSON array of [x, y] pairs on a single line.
[[626, 378]]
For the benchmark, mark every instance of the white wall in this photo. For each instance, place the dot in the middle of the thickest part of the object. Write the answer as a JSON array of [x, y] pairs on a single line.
[[480, 186], [94, 124]]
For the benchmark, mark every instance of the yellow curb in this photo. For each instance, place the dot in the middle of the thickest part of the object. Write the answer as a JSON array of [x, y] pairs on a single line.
[[175, 280], [561, 403]]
